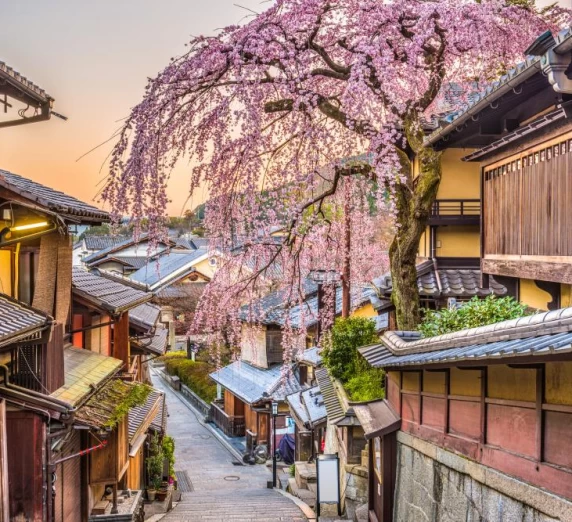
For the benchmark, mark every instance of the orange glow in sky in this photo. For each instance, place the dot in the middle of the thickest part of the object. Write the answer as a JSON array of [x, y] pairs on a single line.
[[94, 59]]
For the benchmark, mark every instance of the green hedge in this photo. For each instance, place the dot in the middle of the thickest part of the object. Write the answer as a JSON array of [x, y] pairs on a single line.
[[193, 374]]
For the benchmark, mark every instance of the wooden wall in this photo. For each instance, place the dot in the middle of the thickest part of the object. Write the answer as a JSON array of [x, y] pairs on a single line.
[[136, 470], [526, 203], [26, 442], [516, 420]]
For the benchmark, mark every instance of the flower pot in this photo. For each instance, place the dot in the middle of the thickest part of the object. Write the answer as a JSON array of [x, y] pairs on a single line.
[[151, 494], [161, 495]]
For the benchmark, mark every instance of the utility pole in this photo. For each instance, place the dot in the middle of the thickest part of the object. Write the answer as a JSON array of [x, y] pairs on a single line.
[[346, 270]]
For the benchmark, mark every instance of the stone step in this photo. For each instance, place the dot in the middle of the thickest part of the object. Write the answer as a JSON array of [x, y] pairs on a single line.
[[307, 496]]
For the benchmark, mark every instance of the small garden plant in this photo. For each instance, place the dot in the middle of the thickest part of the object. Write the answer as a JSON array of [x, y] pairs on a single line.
[[476, 312], [194, 374], [341, 357], [155, 463]]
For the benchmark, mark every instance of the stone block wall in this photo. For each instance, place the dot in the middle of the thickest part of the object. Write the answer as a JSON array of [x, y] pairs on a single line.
[[435, 485]]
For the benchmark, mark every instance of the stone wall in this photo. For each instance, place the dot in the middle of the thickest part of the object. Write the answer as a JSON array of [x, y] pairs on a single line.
[[435, 485]]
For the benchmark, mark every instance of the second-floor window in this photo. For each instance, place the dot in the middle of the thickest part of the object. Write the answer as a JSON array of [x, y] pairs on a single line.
[[274, 345]]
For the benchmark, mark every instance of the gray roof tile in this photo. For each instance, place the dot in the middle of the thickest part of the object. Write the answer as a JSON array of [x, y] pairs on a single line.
[[142, 417], [18, 320], [105, 293], [548, 333], [145, 315], [168, 267], [53, 200], [250, 383]]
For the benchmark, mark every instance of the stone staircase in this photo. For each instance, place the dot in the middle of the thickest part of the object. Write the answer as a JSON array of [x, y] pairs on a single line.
[[303, 483], [260, 505]]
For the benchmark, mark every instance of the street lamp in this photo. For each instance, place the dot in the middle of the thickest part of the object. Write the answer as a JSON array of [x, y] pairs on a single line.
[[274, 414]]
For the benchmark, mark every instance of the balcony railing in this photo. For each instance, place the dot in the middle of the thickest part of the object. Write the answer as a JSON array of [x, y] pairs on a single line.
[[231, 425], [455, 212]]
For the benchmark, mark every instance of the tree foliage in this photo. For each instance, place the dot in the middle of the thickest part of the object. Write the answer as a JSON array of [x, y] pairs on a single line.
[[341, 355], [476, 312], [280, 104]]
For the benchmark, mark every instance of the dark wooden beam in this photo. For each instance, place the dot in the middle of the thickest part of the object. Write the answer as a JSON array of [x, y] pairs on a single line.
[[529, 269]]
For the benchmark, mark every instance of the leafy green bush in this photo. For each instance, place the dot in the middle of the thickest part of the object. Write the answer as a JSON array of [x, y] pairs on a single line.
[[169, 453], [474, 313], [341, 355], [193, 374], [155, 463], [366, 386]]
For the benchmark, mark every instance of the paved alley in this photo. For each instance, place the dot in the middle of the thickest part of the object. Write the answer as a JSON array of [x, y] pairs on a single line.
[[220, 490]]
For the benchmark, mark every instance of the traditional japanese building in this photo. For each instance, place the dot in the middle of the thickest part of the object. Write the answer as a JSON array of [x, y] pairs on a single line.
[[517, 134], [60, 401], [475, 422]]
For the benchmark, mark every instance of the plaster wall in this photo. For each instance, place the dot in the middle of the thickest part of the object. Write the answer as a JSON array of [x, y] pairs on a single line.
[[458, 241], [435, 485], [533, 296], [364, 311], [253, 345]]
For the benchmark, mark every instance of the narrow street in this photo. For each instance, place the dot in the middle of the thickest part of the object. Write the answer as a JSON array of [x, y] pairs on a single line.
[[220, 490]]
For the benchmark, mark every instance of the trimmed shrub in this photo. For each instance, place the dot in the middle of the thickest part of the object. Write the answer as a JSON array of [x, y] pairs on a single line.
[[366, 386], [193, 374]]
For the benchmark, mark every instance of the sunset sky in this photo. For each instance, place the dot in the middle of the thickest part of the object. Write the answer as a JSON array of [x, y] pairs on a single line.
[[94, 57]]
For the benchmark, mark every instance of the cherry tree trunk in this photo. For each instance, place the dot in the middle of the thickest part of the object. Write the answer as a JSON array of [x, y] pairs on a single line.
[[414, 201]]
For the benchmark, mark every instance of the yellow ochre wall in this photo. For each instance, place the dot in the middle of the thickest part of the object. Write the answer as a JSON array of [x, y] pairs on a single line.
[[533, 296], [364, 311], [6, 272], [459, 180], [454, 241]]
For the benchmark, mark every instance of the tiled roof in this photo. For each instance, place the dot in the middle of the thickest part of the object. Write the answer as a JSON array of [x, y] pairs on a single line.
[[190, 292], [250, 384], [53, 200], [511, 80], [272, 309], [104, 293], [545, 334], [157, 344], [159, 423], [18, 320], [93, 242], [145, 315], [377, 418], [84, 371], [131, 262], [444, 283], [27, 87], [308, 405], [127, 242], [338, 410], [168, 267], [141, 417], [310, 356]]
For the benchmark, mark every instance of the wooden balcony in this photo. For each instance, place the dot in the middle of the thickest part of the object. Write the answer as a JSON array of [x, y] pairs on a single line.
[[231, 425], [526, 218], [455, 212]]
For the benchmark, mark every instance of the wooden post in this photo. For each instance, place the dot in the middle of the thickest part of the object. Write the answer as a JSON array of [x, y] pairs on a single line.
[[4, 508], [121, 340]]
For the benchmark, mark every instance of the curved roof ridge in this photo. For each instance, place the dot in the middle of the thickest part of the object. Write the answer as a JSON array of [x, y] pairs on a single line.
[[556, 321]]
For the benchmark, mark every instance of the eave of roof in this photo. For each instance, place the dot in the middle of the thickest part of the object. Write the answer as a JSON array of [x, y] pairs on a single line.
[[105, 294], [512, 79], [19, 320], [67, 207], [141, 417], [84, 372], [27, 87], [548, 334]]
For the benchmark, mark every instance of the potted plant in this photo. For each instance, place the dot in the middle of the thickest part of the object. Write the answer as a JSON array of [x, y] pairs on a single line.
[[154, 467]]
